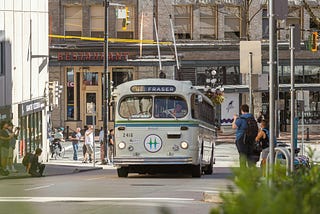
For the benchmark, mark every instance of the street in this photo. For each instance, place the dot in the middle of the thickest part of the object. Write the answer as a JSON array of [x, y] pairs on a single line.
[[101, 191]]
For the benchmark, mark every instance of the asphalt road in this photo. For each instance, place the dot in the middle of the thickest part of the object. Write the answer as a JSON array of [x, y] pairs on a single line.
[[101, 191]]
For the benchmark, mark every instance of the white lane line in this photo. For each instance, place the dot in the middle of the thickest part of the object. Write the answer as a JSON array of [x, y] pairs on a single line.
[[86, 199], [97, 178], [39, 187]]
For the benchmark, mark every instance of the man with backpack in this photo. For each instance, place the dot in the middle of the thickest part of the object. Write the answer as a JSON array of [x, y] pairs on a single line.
[[247, 130]]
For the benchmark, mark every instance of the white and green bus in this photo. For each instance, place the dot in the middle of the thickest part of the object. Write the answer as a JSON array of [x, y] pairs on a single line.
[[163, 125]]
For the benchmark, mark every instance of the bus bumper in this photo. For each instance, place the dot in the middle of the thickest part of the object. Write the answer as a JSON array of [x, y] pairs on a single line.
[[130, 161]]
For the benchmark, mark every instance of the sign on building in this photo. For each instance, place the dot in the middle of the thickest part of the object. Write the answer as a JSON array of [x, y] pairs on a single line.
[[247, 47]]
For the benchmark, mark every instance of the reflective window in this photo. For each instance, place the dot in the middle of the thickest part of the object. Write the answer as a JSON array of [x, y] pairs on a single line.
[[90, 78], [73, 20], [182, 21], [70, 94], [136, 107], [232, 23], [170, 107]]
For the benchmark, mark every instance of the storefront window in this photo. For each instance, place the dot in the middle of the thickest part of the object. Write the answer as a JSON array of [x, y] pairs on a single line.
[[70, 94], [90, 78], [121, 75]]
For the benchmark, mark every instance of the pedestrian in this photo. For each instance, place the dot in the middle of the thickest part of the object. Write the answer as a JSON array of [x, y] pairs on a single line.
[[263, 140], [102, 146], [12, 145], [34, 168], [111, 145], [260, 117], [75, 139], [4, 146], [58, 138], [88, 141], [243, 145]]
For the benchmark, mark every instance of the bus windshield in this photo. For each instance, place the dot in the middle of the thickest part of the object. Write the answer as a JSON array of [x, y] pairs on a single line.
[[137, 107], [170, 107]]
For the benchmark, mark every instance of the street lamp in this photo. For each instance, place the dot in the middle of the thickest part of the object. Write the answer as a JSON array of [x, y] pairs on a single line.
[[213, 86]]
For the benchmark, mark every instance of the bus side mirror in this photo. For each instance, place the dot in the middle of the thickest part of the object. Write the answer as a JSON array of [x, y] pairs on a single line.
[[199, 99]]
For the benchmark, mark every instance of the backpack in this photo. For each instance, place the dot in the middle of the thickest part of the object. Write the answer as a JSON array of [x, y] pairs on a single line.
[[252, 130], [26, 159]]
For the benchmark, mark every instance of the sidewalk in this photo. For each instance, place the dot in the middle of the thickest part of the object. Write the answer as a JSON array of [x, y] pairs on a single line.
[[57, 167], [228, 136]]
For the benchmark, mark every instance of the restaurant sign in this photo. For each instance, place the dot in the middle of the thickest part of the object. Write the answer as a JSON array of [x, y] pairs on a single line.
[[91, 56]]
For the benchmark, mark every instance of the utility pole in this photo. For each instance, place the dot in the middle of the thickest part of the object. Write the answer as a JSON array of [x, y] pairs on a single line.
[[272, 85], [105, 91]]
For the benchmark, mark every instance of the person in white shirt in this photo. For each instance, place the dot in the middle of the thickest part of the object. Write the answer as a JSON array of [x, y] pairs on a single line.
[[88, 141]]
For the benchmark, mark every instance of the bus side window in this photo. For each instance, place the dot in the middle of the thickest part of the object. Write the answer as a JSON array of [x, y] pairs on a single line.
[[194, 107]]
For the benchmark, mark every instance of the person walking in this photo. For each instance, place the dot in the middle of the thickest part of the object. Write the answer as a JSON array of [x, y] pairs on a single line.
[[103, 147], [75, 138], [34, 168], [244, 143], [88, 141], [111, 145]]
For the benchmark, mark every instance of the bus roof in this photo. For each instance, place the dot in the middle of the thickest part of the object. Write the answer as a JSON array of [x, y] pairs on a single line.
[[156, 85]]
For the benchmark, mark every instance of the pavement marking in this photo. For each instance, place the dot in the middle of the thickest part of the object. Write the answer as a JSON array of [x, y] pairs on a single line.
[[97, 178], [87, 199], [39, 187]]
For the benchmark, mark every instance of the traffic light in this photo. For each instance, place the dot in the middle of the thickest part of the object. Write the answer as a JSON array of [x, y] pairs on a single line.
[[57, 92], [314, 42], [51, 94], [125, 21]]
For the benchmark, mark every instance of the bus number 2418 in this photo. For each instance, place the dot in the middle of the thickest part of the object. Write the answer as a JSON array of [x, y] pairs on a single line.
[[127, 135]]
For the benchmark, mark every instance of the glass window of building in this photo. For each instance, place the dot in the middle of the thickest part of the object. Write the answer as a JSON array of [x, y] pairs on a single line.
[[90, 78], [182, 21], [232, 23], [125, 27], [70, 93], [73, 20], [312, 74], [265, 24], [97, 21], [121, 75], [294, 18], [208, 22]]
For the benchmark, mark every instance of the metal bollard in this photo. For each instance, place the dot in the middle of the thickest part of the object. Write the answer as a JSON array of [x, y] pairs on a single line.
[[308, 135], [67, 132]]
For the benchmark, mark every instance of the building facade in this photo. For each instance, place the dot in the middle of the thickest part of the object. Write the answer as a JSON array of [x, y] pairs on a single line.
[[24, 71], [182, 38]]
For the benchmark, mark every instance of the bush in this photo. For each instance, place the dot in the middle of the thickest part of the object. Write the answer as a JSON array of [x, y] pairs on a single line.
[[297, 193]]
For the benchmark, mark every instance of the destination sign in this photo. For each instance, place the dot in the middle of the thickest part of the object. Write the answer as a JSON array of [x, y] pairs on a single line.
[[153, 88]]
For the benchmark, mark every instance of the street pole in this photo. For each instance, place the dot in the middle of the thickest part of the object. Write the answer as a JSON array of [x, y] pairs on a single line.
[[292, 95], [105, 91], [250, 83], [272, 86], [94, 132]]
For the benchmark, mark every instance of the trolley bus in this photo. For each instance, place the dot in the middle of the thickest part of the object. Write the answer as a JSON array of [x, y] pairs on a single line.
[[163, 125]]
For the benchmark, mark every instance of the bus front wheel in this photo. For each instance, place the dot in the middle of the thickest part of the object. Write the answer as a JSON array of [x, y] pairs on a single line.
[[123, 172], [196, 171]]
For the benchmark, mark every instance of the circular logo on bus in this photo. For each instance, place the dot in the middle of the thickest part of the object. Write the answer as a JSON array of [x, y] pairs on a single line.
[[153, 143]]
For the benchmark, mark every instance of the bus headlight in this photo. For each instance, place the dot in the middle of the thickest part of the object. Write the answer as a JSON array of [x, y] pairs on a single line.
[[184, 145], [122, 145]]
